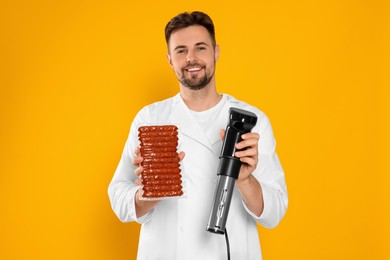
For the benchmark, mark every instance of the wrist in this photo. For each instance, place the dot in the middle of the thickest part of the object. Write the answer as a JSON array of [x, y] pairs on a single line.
[[143, 206], [245, 182]]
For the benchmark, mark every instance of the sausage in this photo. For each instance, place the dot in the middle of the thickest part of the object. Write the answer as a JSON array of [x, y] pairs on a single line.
[[159, 165], [156, 194], [152, 154], [160, 128], [151, 149], [159, 144], [166, 175], [158, 139], [162, 187], [157, 133], [161, 182], [161, 174], [163, 160], [151, 171]]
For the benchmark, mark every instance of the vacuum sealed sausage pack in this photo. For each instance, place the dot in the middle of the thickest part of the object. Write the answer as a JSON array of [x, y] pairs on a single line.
[[161, 175]]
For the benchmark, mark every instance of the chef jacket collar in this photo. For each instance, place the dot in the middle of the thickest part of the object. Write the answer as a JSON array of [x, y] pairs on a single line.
[[191, 128]]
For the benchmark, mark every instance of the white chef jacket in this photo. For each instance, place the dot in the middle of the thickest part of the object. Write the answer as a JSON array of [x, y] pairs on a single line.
[[176, 227]]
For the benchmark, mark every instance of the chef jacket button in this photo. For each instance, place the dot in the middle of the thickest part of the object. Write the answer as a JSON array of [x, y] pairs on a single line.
[[181, 228]]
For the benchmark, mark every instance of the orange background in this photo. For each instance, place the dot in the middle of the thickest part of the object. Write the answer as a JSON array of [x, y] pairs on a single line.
[[73, 74]]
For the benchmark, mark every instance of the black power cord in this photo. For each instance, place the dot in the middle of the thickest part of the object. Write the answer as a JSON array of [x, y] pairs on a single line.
[[227, 244]]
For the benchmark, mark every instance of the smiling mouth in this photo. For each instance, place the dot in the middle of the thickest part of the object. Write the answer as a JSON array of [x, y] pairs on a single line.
[[193, 69]]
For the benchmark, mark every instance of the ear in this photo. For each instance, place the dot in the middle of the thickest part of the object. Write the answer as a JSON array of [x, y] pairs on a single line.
[[216, 52], [169, 58]]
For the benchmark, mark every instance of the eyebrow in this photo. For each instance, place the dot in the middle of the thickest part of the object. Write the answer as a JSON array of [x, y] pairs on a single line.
[[184, 46], [179, 47], [201, 43]]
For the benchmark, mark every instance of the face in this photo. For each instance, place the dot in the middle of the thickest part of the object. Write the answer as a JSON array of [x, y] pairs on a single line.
[[192, 56]]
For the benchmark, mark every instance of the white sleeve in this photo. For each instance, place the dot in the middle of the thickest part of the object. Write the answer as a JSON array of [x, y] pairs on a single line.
[[122, 189], [270, 175]]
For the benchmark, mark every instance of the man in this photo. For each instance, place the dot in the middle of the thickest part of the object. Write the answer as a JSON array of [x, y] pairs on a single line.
[[176, 228]]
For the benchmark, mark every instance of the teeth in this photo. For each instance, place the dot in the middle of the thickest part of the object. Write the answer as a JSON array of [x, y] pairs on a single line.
[[194, 69]]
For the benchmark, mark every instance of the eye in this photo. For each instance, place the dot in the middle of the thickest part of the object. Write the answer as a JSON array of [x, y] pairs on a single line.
[[201, 48], [180, 51]]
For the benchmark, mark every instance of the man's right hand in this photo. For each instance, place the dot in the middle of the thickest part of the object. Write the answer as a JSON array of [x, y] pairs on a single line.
[[144, 206], [137, 160]]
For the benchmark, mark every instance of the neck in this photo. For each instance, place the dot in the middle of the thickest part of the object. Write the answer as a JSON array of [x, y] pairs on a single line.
[[200, 100]]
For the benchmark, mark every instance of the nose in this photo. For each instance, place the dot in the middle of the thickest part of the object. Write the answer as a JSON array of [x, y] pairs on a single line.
[[190, 58]]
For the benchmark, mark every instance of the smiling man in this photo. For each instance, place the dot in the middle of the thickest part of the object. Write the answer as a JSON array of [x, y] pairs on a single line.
[[192, 55], [176, 228]]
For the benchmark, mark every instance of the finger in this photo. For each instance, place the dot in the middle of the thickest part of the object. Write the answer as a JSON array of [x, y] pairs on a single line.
[[250, 136], [222, 133], [138, 170], [138, 181], [246, 153], [181, 155], [137, 160], [247, 143], [249, 161]]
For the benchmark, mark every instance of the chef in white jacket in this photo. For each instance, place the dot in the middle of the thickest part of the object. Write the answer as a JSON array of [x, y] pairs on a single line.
[[176, 228]]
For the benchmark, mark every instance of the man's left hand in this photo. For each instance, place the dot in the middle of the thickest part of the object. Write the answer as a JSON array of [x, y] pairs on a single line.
[[248, 153]]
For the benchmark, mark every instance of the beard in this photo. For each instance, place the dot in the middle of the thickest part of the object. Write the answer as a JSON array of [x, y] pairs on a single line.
[[195, 82]]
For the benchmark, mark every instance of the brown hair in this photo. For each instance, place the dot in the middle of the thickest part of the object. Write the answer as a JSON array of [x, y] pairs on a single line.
[[187, 19]]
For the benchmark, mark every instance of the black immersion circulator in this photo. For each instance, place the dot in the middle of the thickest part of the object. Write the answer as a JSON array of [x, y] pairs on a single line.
[[240, 122]]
